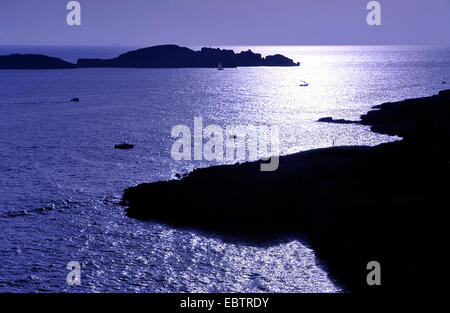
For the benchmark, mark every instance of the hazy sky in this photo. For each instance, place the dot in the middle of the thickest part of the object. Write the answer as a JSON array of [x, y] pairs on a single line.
[[224, 22]]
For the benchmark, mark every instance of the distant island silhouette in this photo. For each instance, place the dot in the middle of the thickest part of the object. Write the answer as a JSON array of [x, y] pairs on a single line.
[[162, 56], [33, 61]]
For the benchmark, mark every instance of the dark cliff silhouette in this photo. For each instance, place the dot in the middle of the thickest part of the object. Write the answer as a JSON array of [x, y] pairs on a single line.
[[33, 61], [164, 56], [354, 204], [173, 56]]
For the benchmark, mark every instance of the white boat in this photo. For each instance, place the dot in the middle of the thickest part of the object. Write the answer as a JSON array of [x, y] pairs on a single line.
[[304, 84], [219, 67]]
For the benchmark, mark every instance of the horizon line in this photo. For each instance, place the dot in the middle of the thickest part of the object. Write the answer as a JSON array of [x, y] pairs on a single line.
[[229, 45]]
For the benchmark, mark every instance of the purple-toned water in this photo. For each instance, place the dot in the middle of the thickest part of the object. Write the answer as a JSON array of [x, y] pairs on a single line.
[[61, 177]]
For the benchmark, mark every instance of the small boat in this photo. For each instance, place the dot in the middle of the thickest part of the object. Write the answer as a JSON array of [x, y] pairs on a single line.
[[304, 84], [75, 100], [124, 145], [219, 67], [444, 83]]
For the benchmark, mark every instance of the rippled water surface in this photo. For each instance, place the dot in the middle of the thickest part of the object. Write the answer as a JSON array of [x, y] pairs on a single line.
[[61, 178]]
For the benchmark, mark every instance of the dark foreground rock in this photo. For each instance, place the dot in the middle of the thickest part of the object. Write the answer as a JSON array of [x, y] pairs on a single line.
[[387, 203], [173, 56], [33, 61]]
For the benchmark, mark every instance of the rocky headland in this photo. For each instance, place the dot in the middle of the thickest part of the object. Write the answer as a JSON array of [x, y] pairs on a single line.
[[353, 204]]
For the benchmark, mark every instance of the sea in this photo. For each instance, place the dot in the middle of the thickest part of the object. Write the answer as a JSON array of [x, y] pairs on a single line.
[[61, 179]]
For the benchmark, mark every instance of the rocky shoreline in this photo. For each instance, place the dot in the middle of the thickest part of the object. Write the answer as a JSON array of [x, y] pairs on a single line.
[[354, 204]]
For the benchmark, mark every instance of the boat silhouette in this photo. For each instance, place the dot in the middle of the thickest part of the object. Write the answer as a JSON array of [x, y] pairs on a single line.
[[124, 145]]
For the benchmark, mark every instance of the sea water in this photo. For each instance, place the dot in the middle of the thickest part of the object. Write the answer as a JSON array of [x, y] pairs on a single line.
[[61, 178]]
